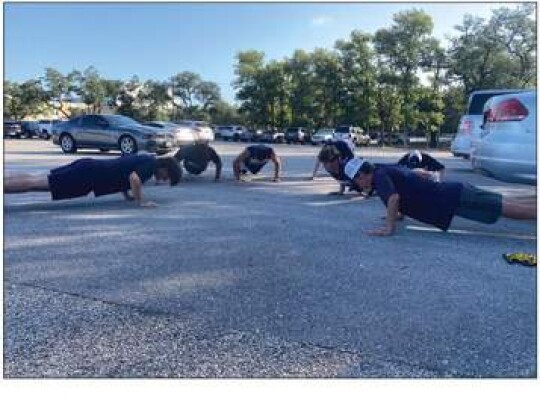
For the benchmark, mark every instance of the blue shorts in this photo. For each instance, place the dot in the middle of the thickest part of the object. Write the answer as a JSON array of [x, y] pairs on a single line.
[[71, 181]]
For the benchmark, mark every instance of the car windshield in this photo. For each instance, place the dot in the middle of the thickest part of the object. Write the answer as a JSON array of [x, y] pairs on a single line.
[[342, 129], [118, 121]]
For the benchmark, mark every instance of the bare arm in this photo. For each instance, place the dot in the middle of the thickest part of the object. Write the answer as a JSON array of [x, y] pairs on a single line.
[[237, 162], [277, 166], [316, 169], [136, 188], [392, 211], [214, 157]]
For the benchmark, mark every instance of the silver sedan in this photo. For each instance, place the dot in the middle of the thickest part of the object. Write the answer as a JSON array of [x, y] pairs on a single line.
[[507, 146]]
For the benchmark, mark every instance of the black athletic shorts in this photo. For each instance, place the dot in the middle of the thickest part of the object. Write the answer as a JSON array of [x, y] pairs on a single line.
[[479, 205], [71, 181]]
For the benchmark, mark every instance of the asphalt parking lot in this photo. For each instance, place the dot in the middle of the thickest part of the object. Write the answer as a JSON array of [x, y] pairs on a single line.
[[259, 279]]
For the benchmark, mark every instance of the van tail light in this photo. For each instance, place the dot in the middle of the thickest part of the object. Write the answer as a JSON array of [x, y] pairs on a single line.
[[507, 111], [466, 126]]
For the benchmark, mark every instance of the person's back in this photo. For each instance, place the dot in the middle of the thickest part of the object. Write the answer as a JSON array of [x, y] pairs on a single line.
[[419, 198], [195, 158], [112, 176]]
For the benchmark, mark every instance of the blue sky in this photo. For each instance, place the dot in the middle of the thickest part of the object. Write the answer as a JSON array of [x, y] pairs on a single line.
[[158, 40]]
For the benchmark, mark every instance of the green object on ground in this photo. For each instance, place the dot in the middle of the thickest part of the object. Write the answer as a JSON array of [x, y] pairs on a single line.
[[521, 258]]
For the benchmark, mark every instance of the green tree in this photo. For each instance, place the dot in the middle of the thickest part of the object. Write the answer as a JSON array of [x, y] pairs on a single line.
[[327, 84], [497, 53], [91, 88], [26, 99], [197, 96], [154, 99], [299, 68], [249, 90], [359, 80], [404, 47], [59, 87], [128, 98]]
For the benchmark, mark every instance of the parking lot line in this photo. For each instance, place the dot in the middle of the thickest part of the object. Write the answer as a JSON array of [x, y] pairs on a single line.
[[336, 201], [473, 233]]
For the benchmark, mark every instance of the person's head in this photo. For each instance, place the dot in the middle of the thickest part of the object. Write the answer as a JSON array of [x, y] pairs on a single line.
[[360, 172], [414, 160], [328, 153], [329, 157], [167, 168]]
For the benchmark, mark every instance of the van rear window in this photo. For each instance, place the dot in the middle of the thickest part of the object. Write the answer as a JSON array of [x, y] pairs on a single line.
[[476, 105]]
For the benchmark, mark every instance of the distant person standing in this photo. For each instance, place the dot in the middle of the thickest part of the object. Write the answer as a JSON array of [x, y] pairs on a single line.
[[253, 159], [196, 158]]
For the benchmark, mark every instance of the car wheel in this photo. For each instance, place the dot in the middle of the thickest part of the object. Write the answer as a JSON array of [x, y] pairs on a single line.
[[127, 145], [67, 143]]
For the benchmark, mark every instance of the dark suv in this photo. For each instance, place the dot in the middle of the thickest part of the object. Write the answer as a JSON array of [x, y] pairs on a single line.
[[12, 128], [297, 135]]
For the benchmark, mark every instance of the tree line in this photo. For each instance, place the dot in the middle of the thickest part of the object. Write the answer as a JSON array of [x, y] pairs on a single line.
[[400, 78]]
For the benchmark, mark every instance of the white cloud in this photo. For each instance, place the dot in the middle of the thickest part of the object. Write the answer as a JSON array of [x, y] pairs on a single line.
[[321, 20]]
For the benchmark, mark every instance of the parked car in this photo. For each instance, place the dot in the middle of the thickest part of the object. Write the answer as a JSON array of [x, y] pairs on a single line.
[[182, 135], [12, 128], [297, 135], [469, 129], [355, 134], [205, 131], [30, 129], [46, 127], [253, 135], [110, 132], [507, 145], [322, 135], [272, 136], [228, 133]]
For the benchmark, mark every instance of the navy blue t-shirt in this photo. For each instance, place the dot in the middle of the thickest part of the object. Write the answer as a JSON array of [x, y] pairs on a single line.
[[434, 203], [259, 154], [112, 176]]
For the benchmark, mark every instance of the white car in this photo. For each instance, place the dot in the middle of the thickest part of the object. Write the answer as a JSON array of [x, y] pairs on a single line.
[[506, 148], [469, 126], [322, 136], [182, 135], [354, 134], [235, 133], [204, 130]]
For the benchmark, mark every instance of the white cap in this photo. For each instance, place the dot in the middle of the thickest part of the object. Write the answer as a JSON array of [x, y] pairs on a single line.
[[352, 167]]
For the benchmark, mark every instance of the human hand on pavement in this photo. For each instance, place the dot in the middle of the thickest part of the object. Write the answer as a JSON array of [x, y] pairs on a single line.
[[384, 231], [148, 204]]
